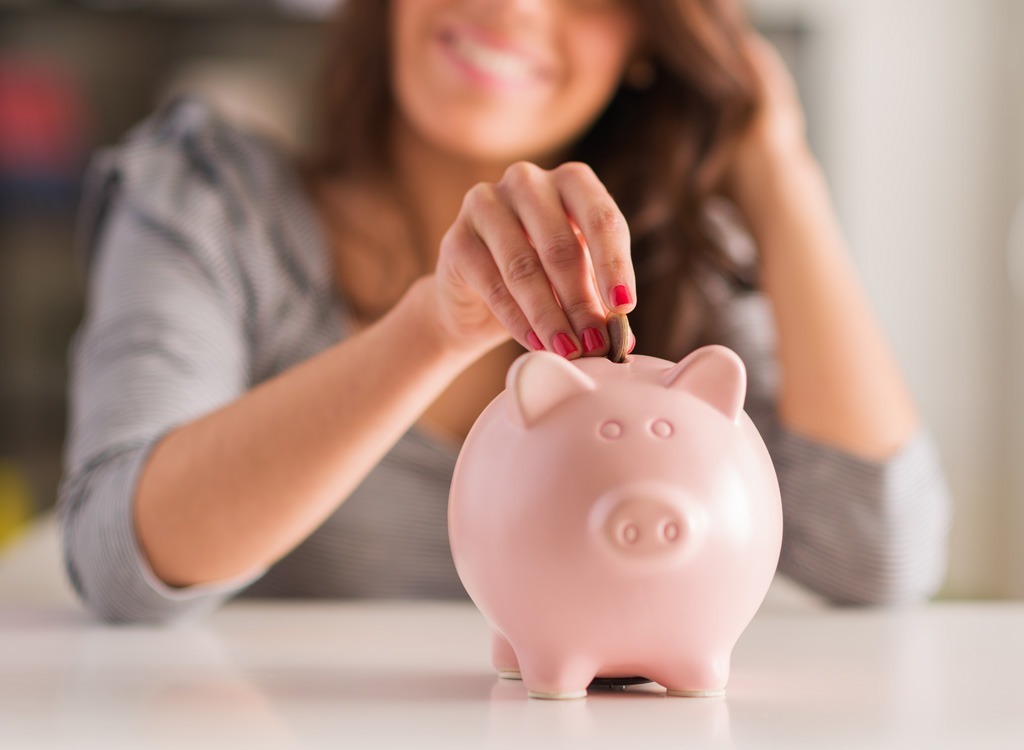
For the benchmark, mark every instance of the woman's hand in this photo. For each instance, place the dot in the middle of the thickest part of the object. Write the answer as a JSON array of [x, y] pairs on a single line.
[[775, 136], [540, 255]]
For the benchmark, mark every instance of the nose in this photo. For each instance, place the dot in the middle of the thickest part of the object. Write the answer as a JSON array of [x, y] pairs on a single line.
[[645, 527], [650, 523]]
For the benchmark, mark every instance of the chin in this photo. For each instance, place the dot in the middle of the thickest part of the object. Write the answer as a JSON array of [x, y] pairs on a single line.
[[493, 141]]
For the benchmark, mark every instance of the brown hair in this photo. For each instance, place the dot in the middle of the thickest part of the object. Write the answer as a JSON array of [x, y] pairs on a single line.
[[658, 148]]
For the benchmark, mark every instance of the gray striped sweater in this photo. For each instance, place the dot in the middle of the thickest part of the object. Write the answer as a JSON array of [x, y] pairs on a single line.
[[208, 272]]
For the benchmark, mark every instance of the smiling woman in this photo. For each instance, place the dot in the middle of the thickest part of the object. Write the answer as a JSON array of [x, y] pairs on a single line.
[[495, 89], [280, 360], [682, 89]]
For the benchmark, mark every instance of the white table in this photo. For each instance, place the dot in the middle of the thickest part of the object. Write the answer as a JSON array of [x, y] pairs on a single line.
[[416, 675]]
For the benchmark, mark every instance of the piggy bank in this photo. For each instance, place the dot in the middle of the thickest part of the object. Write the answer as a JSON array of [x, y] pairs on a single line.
[[616, 521]]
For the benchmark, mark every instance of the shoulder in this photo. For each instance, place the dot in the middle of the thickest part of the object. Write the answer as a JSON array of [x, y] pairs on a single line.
[[196, 140], [187, 168], [230, 198]]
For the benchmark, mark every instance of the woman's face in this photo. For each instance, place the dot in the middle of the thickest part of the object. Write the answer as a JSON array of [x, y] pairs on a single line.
[[502, 80]]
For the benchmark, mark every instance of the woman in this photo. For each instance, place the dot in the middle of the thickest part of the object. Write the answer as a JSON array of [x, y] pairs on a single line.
[[275, 372]]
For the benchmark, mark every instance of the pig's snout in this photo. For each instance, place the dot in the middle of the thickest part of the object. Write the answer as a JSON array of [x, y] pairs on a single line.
[[649, 522], [644, 527]]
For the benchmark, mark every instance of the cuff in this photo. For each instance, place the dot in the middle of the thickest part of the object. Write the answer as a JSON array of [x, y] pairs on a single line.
[[859, 531], [105, 560]]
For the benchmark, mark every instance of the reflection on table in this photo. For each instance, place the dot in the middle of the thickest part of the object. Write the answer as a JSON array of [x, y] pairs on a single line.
[[298, 675]]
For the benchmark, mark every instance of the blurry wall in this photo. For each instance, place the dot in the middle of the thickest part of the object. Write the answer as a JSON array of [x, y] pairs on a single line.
[[1013, 79], [914, 109], [913, 100], [74, 76]]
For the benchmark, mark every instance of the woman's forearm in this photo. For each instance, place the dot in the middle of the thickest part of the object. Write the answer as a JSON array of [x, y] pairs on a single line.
[[840, 382], [237, 489]]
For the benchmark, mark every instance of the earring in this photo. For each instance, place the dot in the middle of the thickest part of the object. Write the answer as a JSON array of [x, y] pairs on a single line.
[[640, 74]]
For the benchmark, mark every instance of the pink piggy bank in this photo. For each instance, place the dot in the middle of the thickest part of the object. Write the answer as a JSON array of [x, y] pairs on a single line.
[[617, 521]]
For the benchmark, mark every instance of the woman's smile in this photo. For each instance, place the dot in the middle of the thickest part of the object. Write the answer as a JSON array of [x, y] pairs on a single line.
[[491, 62], [498, 82]]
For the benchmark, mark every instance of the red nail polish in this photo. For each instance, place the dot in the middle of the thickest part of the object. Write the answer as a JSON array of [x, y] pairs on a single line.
[[592, 340], [621, 295], [563, 345], [534, 340]]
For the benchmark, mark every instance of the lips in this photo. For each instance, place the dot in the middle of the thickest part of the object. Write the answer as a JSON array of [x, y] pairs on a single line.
[[491, 62]]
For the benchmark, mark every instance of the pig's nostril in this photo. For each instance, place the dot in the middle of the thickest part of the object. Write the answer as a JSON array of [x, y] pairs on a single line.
[[630, 533], [611, 430], [670, 531], [661, 428]]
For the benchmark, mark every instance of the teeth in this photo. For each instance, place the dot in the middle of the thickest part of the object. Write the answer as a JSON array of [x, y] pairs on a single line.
[[492, 61]]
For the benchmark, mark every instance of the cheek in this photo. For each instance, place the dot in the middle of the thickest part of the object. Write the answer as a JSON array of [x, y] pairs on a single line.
[[402, 24], [410, 81], [593, 52], [411, 25], [598, 56]]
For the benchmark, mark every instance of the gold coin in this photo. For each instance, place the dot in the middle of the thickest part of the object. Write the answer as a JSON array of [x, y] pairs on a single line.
[[618, 335]]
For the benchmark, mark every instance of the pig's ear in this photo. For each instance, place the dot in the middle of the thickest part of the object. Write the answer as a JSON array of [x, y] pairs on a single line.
[[539, 381], [715, 375]]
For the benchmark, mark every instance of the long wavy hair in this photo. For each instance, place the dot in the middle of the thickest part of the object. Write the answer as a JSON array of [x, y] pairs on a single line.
[[659, 147]]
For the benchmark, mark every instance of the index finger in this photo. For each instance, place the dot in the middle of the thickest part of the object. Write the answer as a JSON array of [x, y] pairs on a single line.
[[604, 230]]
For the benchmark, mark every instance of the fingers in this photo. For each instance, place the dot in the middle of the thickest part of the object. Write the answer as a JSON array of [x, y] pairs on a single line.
[[548, 253], [535, 199], [604, 228], [521, 269]]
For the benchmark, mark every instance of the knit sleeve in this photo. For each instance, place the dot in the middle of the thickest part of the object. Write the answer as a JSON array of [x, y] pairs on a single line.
[[164, 340], [856, 531]]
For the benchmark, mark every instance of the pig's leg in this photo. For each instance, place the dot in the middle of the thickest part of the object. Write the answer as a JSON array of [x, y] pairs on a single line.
[[503, 657], [556, 674], [693, 677]]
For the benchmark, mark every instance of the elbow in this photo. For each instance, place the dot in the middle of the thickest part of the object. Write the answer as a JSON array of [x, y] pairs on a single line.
[[908, 563], [102, 558], [903, 561], [118, 589], [106, 598], [124, 598], [882, 540], [895, 557], [109, 611], [875, 578], [896, 580]]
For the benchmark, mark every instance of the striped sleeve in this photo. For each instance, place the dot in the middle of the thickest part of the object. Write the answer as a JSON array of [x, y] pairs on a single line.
[[863, 532], [856, 531], [164, 340]]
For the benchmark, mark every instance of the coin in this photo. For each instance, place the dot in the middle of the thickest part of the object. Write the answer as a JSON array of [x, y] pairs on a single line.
[[618, 335]]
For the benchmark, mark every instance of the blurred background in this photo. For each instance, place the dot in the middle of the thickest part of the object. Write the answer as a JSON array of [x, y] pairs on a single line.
[[915, 108]]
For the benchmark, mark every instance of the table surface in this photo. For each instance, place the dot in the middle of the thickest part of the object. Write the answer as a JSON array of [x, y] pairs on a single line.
[[413, 675]]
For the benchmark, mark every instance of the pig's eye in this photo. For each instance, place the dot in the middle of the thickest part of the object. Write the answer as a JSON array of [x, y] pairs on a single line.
[[610, 430], [661, 428]]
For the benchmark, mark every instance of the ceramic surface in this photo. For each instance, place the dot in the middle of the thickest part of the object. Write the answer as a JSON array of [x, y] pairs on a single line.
[[617, 520]]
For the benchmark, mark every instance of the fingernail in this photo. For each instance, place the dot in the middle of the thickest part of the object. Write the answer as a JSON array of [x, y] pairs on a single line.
[[592, 340], [632, 343], [563, 345], [534, 340], [621, 295]]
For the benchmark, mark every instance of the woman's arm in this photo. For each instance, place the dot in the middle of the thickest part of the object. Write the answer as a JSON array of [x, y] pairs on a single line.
[[235, 490], [840, 383], [231, 492], [177, 470], [865, 504]]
